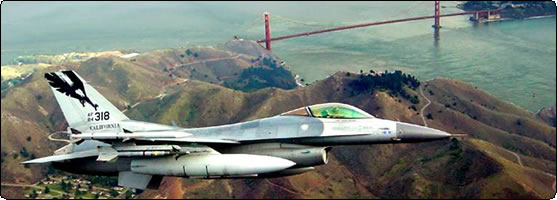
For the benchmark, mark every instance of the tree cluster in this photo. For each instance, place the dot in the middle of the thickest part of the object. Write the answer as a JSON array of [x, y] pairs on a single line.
[[189, 52], [24, 152], [394, 82], [33, 194], [65, 186], [258, 77], [103, 180], [269, 61]]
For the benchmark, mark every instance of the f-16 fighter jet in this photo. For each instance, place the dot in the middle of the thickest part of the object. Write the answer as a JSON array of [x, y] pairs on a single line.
[[106, 142]]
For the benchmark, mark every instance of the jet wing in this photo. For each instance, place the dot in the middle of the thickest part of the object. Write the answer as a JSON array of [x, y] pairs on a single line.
[[79, 154], [190, 140], [152, 136]]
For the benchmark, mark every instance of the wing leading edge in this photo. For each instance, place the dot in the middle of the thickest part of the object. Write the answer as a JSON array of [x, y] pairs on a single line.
[[62, 157], [97, 153], [190, 140]]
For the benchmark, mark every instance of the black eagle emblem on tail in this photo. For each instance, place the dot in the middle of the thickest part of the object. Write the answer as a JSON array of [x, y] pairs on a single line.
[[70, 90]]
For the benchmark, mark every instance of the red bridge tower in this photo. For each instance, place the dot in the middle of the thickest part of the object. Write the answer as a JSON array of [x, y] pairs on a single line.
[[267, 32], [437, 15]]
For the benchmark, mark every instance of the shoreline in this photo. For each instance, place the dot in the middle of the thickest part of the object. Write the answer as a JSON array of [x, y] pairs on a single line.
[[297, 78], [509, 19], [538, 17], [512, 19], [508, 10]]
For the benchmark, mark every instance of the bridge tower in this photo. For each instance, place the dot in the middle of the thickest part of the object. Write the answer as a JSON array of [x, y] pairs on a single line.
[[437, 15], [267, 31]]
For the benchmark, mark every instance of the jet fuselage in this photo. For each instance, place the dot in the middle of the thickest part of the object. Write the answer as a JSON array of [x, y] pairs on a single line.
[[106, 142]]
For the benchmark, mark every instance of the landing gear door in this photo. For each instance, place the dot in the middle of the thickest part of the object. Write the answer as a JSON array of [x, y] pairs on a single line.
[[398, 135]]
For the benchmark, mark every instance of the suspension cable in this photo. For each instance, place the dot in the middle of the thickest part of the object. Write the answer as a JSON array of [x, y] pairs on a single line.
[[312, 24], [315, 24]]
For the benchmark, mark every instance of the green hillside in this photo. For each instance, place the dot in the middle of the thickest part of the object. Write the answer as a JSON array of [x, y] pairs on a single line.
[[455, 169], [153, 87]]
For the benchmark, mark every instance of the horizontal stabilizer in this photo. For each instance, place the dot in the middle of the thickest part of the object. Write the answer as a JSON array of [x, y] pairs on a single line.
[[55, 158]]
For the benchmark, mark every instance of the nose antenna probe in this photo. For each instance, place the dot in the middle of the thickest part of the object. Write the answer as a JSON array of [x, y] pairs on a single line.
[[461, 135]]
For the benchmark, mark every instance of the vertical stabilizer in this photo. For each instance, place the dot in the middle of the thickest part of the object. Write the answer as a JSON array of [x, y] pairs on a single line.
[[81, 103]]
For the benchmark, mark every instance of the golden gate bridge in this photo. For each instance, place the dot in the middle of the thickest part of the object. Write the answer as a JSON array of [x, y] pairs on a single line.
[[436, 25]]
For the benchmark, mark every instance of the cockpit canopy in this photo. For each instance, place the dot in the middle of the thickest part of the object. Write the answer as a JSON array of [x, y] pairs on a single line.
[[330, 110]]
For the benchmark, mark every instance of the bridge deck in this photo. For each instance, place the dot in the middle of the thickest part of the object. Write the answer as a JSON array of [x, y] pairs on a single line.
[[370, 24]]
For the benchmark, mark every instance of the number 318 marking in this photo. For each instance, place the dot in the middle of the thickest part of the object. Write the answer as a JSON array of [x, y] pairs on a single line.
[[102, 116]]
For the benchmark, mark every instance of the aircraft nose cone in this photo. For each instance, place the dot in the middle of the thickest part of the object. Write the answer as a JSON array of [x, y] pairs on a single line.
[[415, 132]]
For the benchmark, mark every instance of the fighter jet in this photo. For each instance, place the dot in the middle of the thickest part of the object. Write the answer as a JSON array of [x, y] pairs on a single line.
[[106, 142]]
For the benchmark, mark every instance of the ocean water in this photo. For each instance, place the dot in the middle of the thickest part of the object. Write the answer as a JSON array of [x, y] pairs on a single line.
[[509, 59]]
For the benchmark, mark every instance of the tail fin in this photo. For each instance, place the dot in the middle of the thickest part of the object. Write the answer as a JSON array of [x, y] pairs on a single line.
[[81, 103]]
